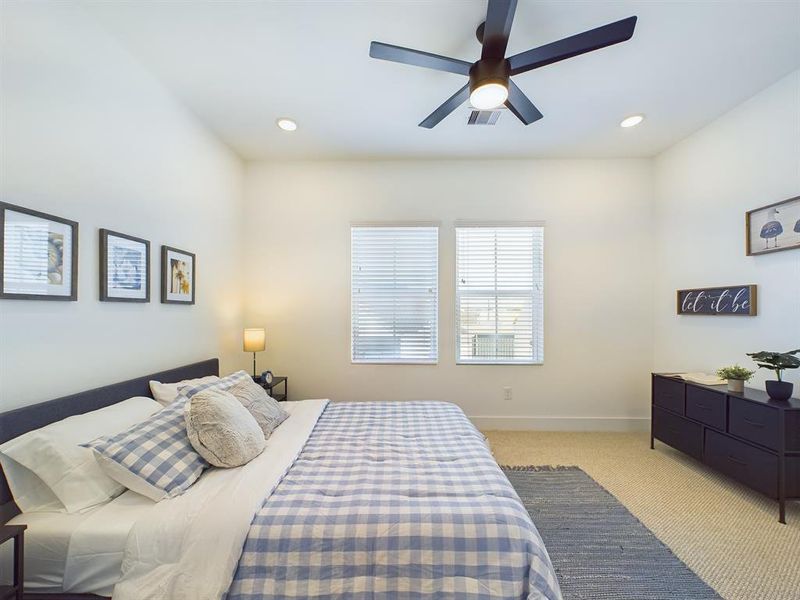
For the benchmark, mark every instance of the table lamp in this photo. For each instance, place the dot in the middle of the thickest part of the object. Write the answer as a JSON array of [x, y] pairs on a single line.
[[255, 340]]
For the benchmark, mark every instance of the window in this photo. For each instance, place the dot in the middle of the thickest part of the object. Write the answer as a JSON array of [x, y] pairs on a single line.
[[394, 294], [499, 281]]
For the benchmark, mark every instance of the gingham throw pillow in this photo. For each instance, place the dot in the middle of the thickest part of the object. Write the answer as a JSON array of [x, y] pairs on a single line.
[[155, 457]]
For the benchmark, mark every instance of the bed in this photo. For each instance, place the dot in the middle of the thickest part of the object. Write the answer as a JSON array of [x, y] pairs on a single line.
[[364, 501]]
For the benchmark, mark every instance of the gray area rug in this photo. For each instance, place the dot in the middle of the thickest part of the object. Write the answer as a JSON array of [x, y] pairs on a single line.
[[599, 550]]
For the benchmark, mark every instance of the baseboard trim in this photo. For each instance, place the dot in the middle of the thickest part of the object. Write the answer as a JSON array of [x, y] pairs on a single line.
[[561, 423]]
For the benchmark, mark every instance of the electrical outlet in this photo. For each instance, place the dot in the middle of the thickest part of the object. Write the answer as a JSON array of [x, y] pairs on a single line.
[[507, 393]]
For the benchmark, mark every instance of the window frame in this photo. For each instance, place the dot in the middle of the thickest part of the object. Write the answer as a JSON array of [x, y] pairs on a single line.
[[394, 225], [456, 296]]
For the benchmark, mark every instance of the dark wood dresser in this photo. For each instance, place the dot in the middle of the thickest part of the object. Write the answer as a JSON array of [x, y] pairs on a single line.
[[747, 436]]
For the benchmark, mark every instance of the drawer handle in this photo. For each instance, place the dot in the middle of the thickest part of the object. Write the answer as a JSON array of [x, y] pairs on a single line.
[[673, 430], [703, 406], [737, 460], [753, 423]]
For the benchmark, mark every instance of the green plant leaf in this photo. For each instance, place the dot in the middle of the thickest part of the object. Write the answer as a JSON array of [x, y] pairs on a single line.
[[776, 361]]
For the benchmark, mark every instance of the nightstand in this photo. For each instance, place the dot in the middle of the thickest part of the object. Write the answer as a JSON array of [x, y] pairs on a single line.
[[269, 387], [16, 533]]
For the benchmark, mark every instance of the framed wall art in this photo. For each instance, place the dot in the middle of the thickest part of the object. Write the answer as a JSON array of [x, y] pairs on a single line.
[[178, 272], [729, 300], [773, 227], [38, 255], [124, 268]]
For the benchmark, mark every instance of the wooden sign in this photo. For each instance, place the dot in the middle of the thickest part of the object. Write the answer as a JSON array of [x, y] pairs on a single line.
[[731, 300]]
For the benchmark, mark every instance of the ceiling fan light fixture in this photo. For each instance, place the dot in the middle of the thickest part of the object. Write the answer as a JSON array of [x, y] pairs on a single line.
[[631, 121], [488, 96], [488, 83], [286, 124]]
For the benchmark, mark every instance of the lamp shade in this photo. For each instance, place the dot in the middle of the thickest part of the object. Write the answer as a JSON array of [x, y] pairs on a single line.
[[255, 340]]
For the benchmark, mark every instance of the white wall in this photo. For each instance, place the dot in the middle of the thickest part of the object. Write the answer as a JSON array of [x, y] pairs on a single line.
[[89, 135], [746, 159], [598, 347]]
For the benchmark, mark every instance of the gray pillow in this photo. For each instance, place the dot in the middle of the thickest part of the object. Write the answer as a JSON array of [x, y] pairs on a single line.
[[221, 429], [266, 410]]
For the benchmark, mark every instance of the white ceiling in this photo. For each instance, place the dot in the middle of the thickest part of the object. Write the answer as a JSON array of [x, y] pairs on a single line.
[[238, 65]]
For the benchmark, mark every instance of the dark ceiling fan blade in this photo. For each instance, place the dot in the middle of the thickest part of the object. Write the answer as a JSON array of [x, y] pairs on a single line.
[[519, 104], [499, 16], [418, 58], [452, 103], [594, 39]]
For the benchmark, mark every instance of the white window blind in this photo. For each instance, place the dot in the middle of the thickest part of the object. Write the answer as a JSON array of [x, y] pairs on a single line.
[[499, 294], [394, 294]]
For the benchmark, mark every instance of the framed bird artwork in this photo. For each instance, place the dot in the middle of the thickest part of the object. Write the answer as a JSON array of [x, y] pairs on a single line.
[[773, 227]]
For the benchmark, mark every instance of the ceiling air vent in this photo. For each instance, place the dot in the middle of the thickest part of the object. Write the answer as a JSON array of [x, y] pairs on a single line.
[[483, 117]]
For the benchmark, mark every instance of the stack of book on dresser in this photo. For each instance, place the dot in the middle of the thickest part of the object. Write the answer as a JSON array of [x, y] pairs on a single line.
[[701, 378]]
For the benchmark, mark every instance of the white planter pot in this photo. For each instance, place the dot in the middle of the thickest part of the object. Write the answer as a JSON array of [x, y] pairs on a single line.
[[736, 385]]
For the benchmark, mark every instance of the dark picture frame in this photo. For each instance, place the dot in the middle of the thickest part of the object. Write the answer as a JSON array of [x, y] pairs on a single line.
[[72, 260], [168, 280], [704, 300], [104, 267], [788, 227]]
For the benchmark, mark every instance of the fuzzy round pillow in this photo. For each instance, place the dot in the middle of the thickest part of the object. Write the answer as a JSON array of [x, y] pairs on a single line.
[[222, 430]]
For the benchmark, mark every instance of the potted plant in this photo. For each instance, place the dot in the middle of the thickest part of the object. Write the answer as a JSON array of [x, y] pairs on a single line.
[[778, 362], [736, 377]]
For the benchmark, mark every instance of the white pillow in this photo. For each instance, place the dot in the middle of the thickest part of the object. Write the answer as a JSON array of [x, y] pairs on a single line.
[[166, 393], [222, 430], [29, 491], [71, 472]]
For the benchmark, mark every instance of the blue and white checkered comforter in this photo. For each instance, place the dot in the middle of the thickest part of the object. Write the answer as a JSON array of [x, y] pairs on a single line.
[[394, 501]]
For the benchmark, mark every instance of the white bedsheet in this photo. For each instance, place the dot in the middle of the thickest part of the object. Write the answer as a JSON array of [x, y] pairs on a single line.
[[78, 553], [46, 549], [97, 547], [188, 547]]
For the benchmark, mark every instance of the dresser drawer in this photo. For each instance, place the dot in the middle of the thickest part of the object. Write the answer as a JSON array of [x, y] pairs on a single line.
[[706, 406], [791, 422], [669, 394], [793, 476], [678, 432], [754, 422], [753, 467]]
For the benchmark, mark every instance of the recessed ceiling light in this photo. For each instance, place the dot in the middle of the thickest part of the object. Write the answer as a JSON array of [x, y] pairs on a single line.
[[632, 121], [286, 124]]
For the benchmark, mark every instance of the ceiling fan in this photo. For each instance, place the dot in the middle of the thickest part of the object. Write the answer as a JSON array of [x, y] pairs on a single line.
[[490, 84]]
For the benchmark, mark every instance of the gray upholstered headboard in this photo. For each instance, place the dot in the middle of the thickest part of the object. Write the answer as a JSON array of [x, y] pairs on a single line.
[[22, 420]]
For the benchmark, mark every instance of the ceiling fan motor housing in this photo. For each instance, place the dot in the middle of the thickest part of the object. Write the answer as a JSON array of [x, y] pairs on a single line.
[[489, 70]]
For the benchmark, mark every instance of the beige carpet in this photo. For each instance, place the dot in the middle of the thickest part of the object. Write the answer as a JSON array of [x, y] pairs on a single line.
[[727, 534]]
